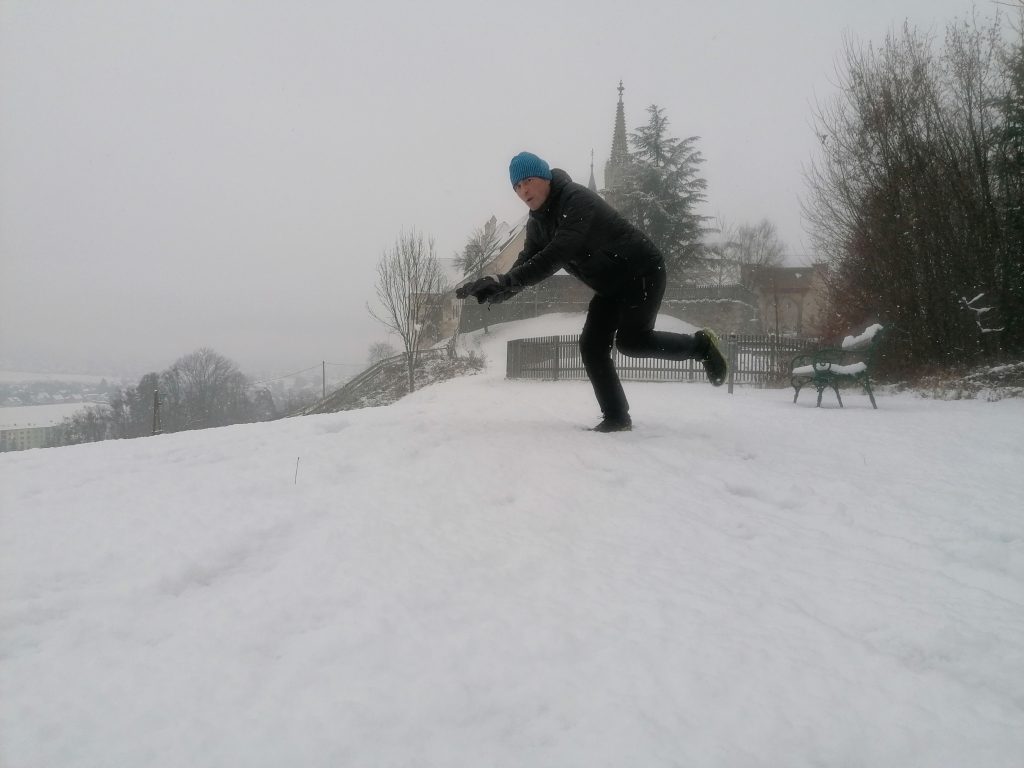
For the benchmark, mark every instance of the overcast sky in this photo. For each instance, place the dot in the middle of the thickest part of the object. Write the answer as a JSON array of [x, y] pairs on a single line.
[[227, 173]]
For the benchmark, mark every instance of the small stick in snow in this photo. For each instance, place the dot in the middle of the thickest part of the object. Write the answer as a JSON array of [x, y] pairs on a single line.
[[297, 469]]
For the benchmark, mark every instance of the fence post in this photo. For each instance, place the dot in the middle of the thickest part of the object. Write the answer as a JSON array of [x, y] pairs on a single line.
[[733, 356], [510, 360], [156, 412], [558, 348]]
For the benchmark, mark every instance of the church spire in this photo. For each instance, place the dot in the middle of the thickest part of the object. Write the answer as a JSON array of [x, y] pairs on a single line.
[[592, 184], [620, 150]]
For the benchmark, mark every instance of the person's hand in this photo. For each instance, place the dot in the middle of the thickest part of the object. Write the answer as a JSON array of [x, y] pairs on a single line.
[[470, 288], [484, 289]]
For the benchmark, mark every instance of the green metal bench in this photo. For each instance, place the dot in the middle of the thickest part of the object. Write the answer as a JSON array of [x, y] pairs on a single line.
[[828, 368]]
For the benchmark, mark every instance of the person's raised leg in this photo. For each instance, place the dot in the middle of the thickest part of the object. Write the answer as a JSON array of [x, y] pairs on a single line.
[[637, 337]]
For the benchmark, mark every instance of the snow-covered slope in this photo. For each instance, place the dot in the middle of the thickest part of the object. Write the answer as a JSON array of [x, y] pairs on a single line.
[[469, 578]]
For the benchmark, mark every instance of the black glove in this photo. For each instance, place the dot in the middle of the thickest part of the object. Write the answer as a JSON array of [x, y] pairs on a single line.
[[485, 289], [508, 288]]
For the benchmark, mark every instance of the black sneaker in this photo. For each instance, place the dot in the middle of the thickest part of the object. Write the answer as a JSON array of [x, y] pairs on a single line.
[[623, 424], [714, 362]]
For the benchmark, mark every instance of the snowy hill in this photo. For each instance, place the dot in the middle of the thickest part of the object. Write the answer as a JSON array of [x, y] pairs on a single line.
[[468, 578]]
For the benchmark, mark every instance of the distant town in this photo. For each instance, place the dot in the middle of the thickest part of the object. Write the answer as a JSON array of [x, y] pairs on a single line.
[[33, 407]]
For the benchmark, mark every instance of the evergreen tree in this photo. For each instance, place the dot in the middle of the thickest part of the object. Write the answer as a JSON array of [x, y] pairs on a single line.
[[659, 189]]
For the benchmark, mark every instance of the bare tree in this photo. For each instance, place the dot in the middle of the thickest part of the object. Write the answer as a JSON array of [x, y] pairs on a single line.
[[758, 245], [720, 265], [381, 350], [733, 247], [88, 426], [479, 249], [410, 288], [912, 200], [204, 389]]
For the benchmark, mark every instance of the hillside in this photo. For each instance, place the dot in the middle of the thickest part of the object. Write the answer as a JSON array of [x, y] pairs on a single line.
[[470, 578]]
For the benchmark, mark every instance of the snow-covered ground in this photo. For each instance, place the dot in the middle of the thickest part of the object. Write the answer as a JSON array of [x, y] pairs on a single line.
[[469, 578]]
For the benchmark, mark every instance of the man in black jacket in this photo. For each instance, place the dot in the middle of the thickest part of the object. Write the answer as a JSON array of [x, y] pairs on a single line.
[[572, 228]]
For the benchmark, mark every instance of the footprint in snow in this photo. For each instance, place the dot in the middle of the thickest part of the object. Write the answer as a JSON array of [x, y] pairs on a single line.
[[743, 491]]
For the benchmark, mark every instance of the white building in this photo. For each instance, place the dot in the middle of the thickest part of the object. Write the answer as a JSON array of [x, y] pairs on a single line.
[[31, 426]]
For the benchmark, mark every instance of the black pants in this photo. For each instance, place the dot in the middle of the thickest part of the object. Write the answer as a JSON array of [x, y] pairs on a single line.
[[634, 324]]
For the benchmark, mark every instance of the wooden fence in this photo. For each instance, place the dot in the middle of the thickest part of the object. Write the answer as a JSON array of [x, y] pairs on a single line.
[[758, 360]]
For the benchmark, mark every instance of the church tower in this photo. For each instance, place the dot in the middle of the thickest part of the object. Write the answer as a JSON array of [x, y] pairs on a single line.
[[620, 150]]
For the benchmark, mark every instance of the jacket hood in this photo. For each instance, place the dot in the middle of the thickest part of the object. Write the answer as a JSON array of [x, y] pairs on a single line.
[[559, 180]]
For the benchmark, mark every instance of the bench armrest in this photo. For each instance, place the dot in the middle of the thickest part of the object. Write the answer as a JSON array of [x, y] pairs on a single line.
[[818, 360]]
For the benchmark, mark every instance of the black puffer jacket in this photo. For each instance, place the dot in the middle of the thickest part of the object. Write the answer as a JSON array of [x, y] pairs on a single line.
[[580, 232]]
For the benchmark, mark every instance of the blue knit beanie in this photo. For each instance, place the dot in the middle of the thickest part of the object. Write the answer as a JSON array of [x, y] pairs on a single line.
[[526, 164]]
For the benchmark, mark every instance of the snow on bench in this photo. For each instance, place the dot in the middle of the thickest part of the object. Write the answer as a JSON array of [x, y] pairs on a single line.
[[839, 370], [856, 342], [826, 368]]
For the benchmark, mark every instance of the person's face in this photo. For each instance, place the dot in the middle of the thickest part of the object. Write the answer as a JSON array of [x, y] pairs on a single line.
[[533, 191]]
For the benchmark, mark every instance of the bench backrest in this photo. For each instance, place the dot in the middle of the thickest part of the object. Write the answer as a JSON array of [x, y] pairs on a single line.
[[854, 349], [864, 345]]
